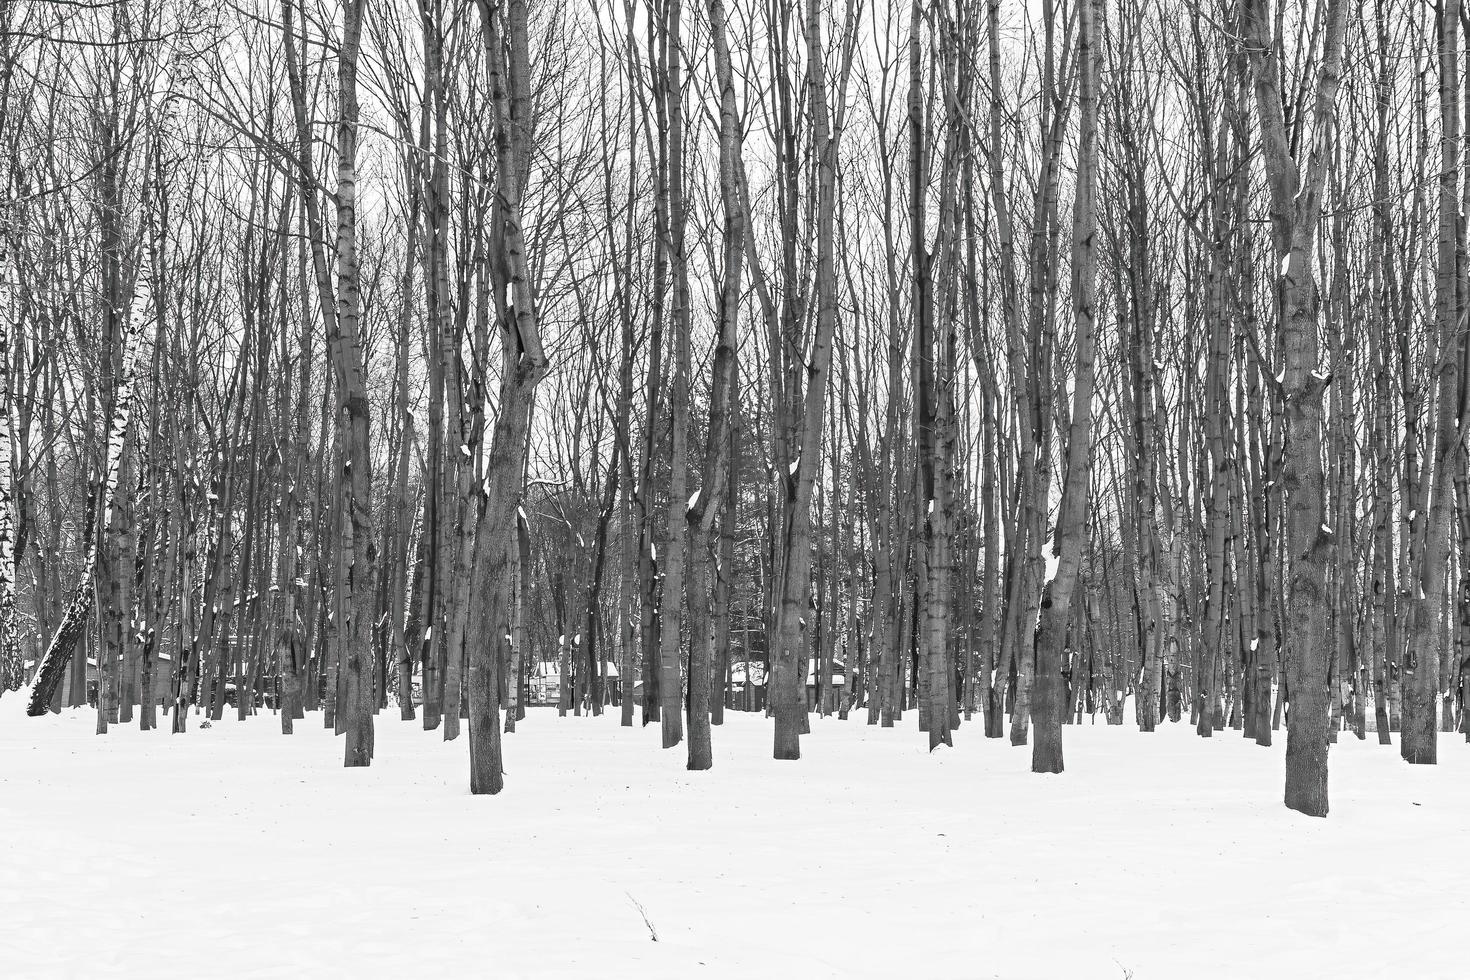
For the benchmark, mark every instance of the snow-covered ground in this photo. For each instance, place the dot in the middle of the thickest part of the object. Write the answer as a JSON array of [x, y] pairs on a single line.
[[237, 852]]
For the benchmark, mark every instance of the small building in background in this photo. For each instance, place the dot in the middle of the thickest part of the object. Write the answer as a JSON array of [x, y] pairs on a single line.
[[838, 681], [747, 686], [544, 684]]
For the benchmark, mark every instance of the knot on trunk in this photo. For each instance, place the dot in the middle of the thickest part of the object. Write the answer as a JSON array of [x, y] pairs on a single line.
[[356, 406]]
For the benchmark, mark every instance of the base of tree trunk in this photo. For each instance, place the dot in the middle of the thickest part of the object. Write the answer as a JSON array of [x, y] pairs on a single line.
[[1306, 759]]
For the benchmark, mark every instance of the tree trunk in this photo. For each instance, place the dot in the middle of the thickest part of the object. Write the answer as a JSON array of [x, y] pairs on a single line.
[[1056, 605]]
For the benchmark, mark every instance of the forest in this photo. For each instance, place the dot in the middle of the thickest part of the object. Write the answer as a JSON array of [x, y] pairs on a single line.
[[989, 368]]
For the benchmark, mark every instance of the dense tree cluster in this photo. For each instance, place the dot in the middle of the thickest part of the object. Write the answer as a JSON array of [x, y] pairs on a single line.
[[985, 359]]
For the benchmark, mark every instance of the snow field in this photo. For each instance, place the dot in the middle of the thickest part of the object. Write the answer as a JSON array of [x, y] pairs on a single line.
[[237, 852]]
